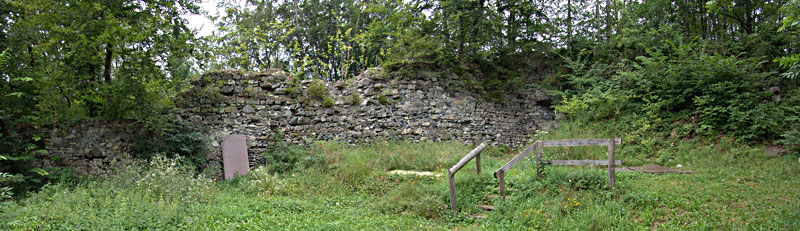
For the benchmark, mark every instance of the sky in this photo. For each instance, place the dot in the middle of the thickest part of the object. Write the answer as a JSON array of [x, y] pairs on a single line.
[[200, 22]]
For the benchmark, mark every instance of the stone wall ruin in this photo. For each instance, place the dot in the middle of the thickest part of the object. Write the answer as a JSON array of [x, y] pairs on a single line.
[[369, 107]]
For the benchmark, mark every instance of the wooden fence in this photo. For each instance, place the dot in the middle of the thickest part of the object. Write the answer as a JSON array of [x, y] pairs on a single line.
[[538, 145], [451, 173]]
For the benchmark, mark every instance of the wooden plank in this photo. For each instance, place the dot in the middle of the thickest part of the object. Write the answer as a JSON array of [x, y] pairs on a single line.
[[517, 158], [451, 173], [539, 164], [611, 173], [478, 163], [467, 158], [451, 177], [584, 142], [581, 162], [501, 177], [486, 207]]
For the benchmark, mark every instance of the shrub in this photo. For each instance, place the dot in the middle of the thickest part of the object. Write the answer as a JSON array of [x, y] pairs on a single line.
[[354, 99], [383, 99], [261, 182], [791, 140], [327, 102], [594, 104], [139, 195], [178, 139], [317, 91], [676, 85], [5, 191], [283, 157]]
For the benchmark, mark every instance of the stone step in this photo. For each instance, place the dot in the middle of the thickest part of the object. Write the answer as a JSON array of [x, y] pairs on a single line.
[[477, 216]]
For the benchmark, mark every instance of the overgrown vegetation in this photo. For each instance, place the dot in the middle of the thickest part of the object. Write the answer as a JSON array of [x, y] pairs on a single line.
[[676, 80], [679, 91], [285, 157], [354, 99], [735, 187], [69, 61], [178, 139]]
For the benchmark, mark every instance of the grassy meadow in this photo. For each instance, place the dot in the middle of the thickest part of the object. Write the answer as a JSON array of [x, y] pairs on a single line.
[[336, 186]]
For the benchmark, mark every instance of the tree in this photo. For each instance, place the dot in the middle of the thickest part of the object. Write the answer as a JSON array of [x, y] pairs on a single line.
[[70, 47], [68, 60]]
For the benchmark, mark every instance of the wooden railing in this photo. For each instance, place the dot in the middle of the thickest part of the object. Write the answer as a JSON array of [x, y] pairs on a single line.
[[538, 145], [475, 153]]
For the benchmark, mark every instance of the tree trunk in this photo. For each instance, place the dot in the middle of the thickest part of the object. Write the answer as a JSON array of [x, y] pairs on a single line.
[[608, 20], [597, 21], [107, 71], [569, 26]]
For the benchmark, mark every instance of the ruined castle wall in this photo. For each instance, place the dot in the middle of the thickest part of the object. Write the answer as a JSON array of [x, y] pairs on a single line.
[[258, 105]]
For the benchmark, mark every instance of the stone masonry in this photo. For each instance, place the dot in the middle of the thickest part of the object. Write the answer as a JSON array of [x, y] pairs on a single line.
[[258, 105]]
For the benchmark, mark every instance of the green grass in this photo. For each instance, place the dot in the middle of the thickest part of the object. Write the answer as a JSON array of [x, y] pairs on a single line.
[[735, 188]]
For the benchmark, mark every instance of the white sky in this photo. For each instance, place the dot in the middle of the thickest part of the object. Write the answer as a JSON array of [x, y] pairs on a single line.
[[200, 22]]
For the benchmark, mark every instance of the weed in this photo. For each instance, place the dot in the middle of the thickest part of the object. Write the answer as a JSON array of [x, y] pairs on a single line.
[[348, 187], [354, 99]]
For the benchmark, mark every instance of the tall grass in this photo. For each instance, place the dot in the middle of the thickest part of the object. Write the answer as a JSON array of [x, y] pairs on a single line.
[[735, 188]]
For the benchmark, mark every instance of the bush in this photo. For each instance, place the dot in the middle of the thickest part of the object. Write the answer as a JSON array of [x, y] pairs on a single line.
[[317, 91], [383, 99], [153, 195], [178, 139], [354, 99], [791, 141], [328, 102], [284, 157], [261, 182], [594, 104], [680, 87]]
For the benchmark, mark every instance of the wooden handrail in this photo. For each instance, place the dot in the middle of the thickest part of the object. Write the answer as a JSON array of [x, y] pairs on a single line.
[[475, 153], [573, 143], [539, 145]]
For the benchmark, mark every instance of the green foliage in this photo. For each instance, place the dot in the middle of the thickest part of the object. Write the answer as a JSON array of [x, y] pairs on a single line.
[[594, 104], [328, 102], [70, 61], [681, 87], [140, 195], [317, 90], [353, 191], [383, 99], [178, 139], [593, 180], [354, 99], [284, 157], [5, 192], [791, 140], [791, 64]]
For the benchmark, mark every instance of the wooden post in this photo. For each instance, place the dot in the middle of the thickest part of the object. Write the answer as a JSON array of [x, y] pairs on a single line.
[[501, 177], [451, 173], [452, 190], [478, 163], [539, 164], [611, 163]]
